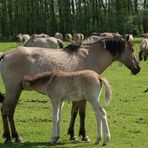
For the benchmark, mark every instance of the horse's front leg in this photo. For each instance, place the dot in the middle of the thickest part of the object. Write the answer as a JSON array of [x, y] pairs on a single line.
[[74, 112], [55, 121], [82, 112]]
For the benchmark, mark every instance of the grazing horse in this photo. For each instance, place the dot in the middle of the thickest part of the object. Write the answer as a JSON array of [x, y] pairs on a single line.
[[78, 37], [96, 56], [72, 86], [68, 37], [22, 37], [43, 40], [58, 35], [143, 50]]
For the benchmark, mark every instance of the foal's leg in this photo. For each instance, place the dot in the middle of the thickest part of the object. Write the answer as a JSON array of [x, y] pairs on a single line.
[[55, 120], [58, 124], [82, 112], [74, 112], [99, 120], [101, 116], [105, 125]]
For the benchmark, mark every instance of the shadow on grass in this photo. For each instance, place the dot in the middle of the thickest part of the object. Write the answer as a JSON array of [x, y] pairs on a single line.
[[47, 144]]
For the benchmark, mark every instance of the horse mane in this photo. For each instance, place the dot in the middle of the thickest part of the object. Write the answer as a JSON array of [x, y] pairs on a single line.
[[114, 45], [72, 48]]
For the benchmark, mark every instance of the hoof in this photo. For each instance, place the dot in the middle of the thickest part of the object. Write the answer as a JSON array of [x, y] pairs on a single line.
[[19, 140], [106, 141], [73, 138], [54, 140], [86, 138], [8, 141], [146, 90], [98, 140]]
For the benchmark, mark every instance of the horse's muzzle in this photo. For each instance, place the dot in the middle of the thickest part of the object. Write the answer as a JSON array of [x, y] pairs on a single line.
[[136, 70]]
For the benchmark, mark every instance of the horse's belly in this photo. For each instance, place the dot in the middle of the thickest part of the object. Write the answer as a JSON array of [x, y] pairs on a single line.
[[73, 96]]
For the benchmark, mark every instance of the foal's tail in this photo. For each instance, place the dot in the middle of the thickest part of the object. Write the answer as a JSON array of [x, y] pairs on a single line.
[[108, 89]]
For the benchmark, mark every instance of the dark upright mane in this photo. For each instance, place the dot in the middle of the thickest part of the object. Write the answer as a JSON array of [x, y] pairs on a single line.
[[74, 47], [114, 45]]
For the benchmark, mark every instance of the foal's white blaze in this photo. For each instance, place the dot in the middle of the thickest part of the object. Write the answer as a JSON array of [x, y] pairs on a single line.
[[60, 86]]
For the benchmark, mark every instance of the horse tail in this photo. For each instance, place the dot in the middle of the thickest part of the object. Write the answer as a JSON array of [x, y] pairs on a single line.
[[60, 42], [108, 89], [1, 94], [1, 56]]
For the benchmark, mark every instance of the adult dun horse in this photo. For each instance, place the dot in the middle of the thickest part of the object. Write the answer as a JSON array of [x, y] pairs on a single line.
[[22, 61]]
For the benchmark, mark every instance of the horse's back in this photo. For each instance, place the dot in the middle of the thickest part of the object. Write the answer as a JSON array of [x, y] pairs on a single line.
[[28, 60]]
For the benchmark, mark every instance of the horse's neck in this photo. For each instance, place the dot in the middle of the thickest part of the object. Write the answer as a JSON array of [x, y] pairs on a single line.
[[99, 59]]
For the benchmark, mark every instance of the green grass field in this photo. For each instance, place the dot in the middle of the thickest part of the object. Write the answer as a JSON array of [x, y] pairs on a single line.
[[127, 113]]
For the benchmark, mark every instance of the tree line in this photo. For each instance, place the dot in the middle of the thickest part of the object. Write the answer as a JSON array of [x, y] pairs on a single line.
[[70, 16]]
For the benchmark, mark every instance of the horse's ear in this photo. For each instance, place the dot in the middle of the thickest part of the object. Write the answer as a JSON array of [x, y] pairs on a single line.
[[127, 37]]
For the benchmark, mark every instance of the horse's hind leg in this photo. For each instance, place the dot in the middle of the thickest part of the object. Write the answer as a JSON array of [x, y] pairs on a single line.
[[14, 132], [74, 112], [82, 112], [6, 133], [8, 108]]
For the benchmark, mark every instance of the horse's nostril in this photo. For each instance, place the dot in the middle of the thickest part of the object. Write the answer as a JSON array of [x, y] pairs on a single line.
[[136, 70]]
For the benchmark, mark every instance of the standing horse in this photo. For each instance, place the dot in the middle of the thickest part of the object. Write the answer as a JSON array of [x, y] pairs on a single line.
[[78, 37], [22, 37], [43, 40], [143, 50], [22, 61], [72, 86]]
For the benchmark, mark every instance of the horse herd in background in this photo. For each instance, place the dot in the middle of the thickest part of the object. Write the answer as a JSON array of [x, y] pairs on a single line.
[[76, 38], [94, 53], [44, 40]]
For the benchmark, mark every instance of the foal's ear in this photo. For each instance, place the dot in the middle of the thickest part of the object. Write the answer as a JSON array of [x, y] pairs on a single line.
[[127, 37]]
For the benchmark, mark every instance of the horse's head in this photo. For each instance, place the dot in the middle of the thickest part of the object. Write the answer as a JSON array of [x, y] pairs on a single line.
[[128, 56], [123, 50]]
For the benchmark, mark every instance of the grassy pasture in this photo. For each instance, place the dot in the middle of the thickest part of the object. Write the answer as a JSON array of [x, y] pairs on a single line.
[[127, 113]]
